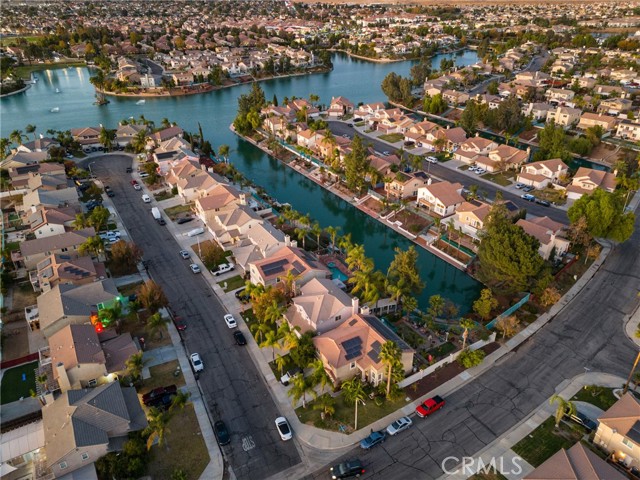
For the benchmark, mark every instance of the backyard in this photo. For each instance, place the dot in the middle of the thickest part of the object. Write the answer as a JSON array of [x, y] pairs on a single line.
[[161, 376], [134, 323], [410, 221], [18, 382]]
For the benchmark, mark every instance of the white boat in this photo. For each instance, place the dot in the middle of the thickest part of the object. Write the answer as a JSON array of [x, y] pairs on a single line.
[[141, 102], [57, 90], [55, 109]]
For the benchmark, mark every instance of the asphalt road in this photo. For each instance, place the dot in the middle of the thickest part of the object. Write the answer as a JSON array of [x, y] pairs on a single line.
[[440, 171], [587, 333], [233, 389]]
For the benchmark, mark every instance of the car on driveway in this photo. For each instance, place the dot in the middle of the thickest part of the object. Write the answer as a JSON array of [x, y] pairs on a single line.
[[399, 425], [528, 197], [184, 254], [372, 440], [196, 362], [480, 171], [544, 203], [581, 419], [386, 153], [520, 185], [238, 336], [230, 321], [182, 220], [156, 393], [289, 374], [429, 406], [195, 231], [528, 188], [284, 429], [223, 268], [350, 468], [195, 268], [222, 434]]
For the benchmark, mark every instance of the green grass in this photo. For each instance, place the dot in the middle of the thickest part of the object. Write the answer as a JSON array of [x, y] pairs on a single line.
[[163, 195], [26, 70], [12, 246], [13, 387], [232, 283], [344, 413], [392, 137], [162, 375], [499, 178], [441, 350], [288, 366], [599, 396], [129, 289], [546, 440], [174, 212]]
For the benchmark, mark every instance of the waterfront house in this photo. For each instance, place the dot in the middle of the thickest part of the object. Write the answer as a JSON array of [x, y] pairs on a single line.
[[34, 251], [454, 97], [551, 235], [441, 198], [81, 426], [320, 306], [308, 138], [87, 136], [340, 107], [126, 133], [42, 144], [260, 242], [628, 130], [619, 431], [538, 110], [71, 269], [470, 216], [166, 134], [190, 179], [20, 174], [48, 221], [588, 120], [232, 225], [367, 110], [302, 264], [219, 199], [405, 185], [586, 180], [540, 174], [353, 349]]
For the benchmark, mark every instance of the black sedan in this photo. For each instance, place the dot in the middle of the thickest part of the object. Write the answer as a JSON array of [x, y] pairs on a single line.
[[182, 220], [222, 434], [239, 338], [350, 468]]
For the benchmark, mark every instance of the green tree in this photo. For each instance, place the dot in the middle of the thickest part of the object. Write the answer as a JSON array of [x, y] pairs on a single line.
[[434, 105], [106, 138], [355, 165], [326, 405], [158, 427], [30, 129], [552, 142], [134, 365], [151, 296], [180, 400], [98, 218], [332, 232], [353, 392], [391, 356], [4, 148], [466, 325], [80, 222], [299, 390], [319, 375], [139, 141], [16, 137], [92, 246], [436, 306], [563, 407], [403, 272], [155, 323], [485, 304], [223, 151], [271, 340], [470, 358], [604, 215]]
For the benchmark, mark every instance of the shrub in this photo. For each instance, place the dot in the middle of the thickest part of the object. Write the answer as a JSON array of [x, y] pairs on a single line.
[[471, 358]]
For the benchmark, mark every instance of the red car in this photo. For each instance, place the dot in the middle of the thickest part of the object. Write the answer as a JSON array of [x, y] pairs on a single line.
[[179, 323], [150, 397], [134, 182], [429, 406]]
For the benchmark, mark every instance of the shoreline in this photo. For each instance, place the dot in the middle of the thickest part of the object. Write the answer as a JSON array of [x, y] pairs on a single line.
[[350, 200], [396, 60], [23, 89]]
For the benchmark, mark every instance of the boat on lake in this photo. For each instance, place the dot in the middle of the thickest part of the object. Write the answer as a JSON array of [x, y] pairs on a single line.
[[55, 110], [141, 102], [57, 90]]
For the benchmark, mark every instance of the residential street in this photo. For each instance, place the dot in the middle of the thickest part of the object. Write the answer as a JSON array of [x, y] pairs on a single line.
[[234, 391], [589, 333]]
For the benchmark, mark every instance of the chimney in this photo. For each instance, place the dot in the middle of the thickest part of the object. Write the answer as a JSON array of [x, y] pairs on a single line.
[[429, 180], [63, 378], [243, 199], [287, 241], [355, 306]]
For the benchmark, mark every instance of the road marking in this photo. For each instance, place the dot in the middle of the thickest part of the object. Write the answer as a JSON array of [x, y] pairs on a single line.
[[248, 443]]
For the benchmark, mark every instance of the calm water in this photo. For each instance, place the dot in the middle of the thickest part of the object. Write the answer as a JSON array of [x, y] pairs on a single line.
[[355, 79]]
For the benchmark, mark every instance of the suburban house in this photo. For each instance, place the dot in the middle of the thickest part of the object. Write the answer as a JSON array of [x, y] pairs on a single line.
[[564, 116], [576, 463], [320, 306], [540, 174], [42, 144], [20, 175], [340, 107], [81, 426], [588, 120], [405, 185], [615, 106], [308, 138], [586, 180], [166, 134], [126, 133], [260, 242], [302, 264], [33, 252], [232, 225], [220, 198], [22, 159], [87, 136], [80, 359], [473, 147], [628, 130], [453, 137], [50, 198], [190, 180], [559, 95], [619, 431], [538, 110], [67, 304], [470, 216], [441, 198], [49, 221], [551, 235], [454, 97], [48, 181], [504, 157], [353, 348], [72, 269]]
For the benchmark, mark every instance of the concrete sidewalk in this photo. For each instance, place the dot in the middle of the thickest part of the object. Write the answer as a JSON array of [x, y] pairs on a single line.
[[501, 447]]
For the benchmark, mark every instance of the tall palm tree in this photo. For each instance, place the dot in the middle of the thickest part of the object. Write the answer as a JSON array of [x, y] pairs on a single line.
[[271, 340], [134, 365], [301, 233], [93, 245], [316, 230], [333, 233], [111, 314], [16, 137], [326, 405], [155, 323], [289, 282], [466, 324], [4, 147], [260, 329], [319, 375], [180, 401], [564, 407], [157, 428], [353, 391], [31, 129], [106, 138], [301, 387], [281, 362], [42, 381], [223, 151], [80, 222], [139, 141], [290, 339], [390, 354]]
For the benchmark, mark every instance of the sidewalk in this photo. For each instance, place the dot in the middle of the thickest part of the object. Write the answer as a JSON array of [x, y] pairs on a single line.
[[501, 447]]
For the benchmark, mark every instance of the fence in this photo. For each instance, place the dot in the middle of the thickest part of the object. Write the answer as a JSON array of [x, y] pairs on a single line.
[[19, 361], [509, 310], [445, 361]]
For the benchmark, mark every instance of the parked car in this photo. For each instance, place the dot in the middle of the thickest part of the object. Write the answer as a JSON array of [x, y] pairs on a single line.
[[111, 194], [528, 197], [180, 324], [146, 198], [195, 231], [289, 374], [163, 402], [350, 468], [432, 159], [148, 397], [182, 220], [144, 175], [284, 429], [528, 188], [230, 321], [134, 182], [480, 171], [223, 268], [240, 293], [429, 406], [399, 425], [350, 125], [238, 336], [137, 187], [196, 363], [129, 170], [195, 268], [386, 153], [581, 419], [184, 254], [222, 434], [472, 168], [409, 143], [520, 185], [373, 439], [544, 203]]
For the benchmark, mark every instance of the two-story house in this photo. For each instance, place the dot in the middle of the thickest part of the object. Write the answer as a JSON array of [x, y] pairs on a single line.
[[505, 157], [586, 180], [588, 120], [34, 251], [48, 221], [628, 130], [405, 185], [619, 431], [441, 198], [540, 174], [551, 235], [302, 264], [72, 269], [472, 148], [339, 107], [564, 116]]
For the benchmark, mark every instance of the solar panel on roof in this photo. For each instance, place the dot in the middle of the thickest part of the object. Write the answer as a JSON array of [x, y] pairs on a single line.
[[274, 267], [634, 433]]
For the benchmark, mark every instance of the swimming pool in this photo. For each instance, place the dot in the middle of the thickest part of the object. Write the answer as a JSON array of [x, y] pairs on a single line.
[[336, 273]]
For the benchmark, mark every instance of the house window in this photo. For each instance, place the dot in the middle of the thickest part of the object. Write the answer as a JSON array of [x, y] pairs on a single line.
[[92, 383], [379, 376], [65, 249], [353, 365], [84, 456], [338, 317], [62, 465], [627, 442]]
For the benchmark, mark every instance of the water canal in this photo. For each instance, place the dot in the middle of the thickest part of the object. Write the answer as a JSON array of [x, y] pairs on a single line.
[[355, 79]]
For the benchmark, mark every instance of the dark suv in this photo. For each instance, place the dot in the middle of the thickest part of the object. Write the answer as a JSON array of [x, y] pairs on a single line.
[[350, 468]]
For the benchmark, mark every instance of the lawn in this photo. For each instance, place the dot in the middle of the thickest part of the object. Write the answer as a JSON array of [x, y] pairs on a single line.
[[135, 325], [129, 289], [441, 350], [552, 195], [546, 440], [162, 376], [344, 413], [163, 195], [502, 178], [14, 387], [287, 366], [232, 283], [174, 212], [184, 448], [599, 396], [392, 137]]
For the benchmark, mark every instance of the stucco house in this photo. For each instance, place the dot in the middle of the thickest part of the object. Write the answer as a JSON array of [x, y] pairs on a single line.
[[302, 264], [473, 147], [340, 107], [619, 431], [586, 180], [405, 185], [588, 120], [551, 235], [540, 174], [34, 251], [628, 130], [441, 198]]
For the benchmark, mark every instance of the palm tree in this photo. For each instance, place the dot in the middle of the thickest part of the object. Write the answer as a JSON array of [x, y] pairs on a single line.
[[326, 405], [299, 390], [111, 314], [301, 233], [316, 230], [290, 339], [4, 147], [332, 232], [281, 362], [390, 354], [260, 329], [157, 428], [134, 365], [180, 401], [16, 137], [139, 141], [223, 151], [565, 407], [42, 381], [274, 312], [466, 324], [92, 245], [155, 323], [31, 129], [271, 340], [80, 222], [289, 283], [353, 391], [106, 138]]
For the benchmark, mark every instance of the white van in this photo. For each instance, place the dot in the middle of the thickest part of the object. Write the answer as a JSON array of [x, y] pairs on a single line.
[[195, 231], [146, 198]]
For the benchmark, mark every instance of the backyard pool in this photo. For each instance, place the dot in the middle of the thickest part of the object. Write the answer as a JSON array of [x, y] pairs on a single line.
[[337, 273]]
